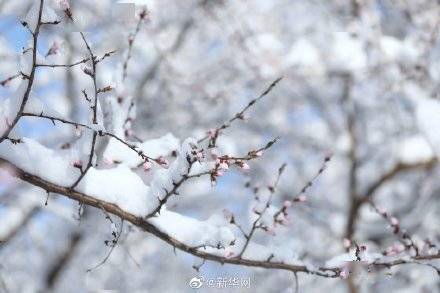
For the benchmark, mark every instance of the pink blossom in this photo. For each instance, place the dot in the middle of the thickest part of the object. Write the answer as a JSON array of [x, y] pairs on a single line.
[[394, 249], [64, 4], [390, 251], [271, 231], [199, 155], [77, 164], [108, 161], [163, 162], [53, 49], [128, 132], [394, 221], [302, 198], [130, 39], [147, 166], [345, 272], [259, 153], [243, 165], [243, 117], [346, 242], [229, 254], [224, 166], [287, 204], [382, 211]]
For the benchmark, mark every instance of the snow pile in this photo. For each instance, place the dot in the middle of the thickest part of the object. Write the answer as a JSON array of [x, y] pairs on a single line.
[[415, 149], [154, 148], [121, 187], [118, 185], [193, 232]]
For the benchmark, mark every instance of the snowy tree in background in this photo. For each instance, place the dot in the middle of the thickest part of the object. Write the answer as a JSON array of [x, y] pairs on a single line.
[[272, 146]]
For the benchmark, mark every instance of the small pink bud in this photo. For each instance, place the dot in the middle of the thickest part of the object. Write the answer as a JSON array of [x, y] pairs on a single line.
[[394, 221], [244, 166], [53, 49], [229, 254], [130, 39], [243, 117], [223, 166], [108, 161], [271, 231], [259, 153], [392, 250], [347, 243], [302, 198], [382, 211], [128, 132], [147, 166], [143, 14], [163, 162], [287, 204], [64, 4], [344, 273], [77, 164]]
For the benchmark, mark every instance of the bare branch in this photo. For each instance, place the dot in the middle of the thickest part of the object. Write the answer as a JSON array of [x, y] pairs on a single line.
[[26, 95]]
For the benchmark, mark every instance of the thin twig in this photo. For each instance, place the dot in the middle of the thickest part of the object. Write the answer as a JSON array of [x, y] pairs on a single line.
[[26, 95], [213, 135]]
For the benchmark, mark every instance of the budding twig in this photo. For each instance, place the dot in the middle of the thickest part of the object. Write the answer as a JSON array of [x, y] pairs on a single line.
[[213, 134]]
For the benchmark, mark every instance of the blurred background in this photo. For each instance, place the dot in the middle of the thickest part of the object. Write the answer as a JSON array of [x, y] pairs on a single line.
[[360, 82]]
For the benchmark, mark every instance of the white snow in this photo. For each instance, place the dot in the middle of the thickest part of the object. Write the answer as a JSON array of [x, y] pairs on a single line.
[[340, 260], [427, 112], [192, 232], [347, 53], [120, 186], [414, 149]]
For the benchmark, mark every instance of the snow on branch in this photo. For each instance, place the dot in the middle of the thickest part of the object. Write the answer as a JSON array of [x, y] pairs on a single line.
[[105, 165]]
